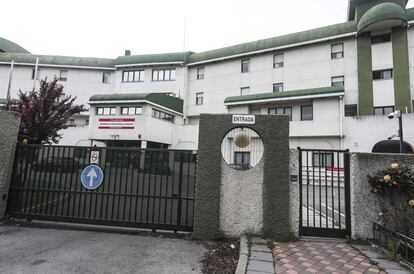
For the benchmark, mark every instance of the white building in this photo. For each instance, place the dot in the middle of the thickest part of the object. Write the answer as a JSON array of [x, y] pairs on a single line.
[[336, 83]]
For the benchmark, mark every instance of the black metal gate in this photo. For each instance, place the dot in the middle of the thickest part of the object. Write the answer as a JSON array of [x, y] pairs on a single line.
[[145, 188], [324, 189]]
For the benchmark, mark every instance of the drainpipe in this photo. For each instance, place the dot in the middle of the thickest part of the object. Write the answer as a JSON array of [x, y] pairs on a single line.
[[9, 86], [35, 72], [341, 122]]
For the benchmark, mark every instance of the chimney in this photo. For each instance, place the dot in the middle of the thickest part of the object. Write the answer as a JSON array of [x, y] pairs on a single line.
[[127, 52]]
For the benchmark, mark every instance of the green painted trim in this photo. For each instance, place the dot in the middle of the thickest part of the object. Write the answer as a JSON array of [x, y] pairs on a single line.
[[161, 99], [11, 47], [285, 94], [365, 86], [382, 12], [401, 69]]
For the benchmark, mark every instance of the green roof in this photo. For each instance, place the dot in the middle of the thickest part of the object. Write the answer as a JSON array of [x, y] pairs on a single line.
[[382, 12], [57, 60], [285, 94], [2, 101], [10, 47], [285, 40], [161, 99], [153, 58]]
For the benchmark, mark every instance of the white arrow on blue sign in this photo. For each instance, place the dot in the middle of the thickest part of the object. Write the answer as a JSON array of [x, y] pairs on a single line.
[[92, 177]]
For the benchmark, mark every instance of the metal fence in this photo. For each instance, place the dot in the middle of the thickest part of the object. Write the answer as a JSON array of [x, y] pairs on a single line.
[[403, 245], [324, 193], [146, 188]]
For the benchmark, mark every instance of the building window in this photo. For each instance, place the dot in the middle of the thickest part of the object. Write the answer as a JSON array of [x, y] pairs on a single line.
[[163, 75], [337, 51], [245, 65], [106, 77], [63, 76], [133, 76], [323, 159], [338, 81], [245, 91], [106, 111], [37, 74], [131, 110], [278, 87], [162, 115], [351, 110], [306, 113], [385, 74], [199, 98], [383, 110], [281, 111], [383, 38], [242, 159], [200, 73], [278, 60]]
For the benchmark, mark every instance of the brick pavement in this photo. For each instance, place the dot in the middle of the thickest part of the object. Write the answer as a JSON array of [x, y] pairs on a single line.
[[320, 257]]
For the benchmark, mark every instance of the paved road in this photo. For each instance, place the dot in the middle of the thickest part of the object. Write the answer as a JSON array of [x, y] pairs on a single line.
[[330, 201], [40, 250]]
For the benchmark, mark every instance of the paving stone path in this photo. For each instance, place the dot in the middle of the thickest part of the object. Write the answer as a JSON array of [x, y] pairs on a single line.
[[321, 257]]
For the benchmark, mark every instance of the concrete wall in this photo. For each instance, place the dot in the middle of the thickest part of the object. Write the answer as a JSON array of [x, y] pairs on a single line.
[[10, 123], [241, 200], [364, 204]]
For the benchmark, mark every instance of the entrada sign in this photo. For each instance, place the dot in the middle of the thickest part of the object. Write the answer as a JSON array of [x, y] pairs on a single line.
[[244, 119]]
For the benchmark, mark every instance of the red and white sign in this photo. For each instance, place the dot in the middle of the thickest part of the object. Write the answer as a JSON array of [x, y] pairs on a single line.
[[118, 123], [94, 157]]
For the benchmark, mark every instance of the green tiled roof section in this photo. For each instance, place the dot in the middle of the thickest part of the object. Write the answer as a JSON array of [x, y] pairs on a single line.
[[285, 94], [11, 47], [153, 58], [380, 12], [410, 14], [162, 99], [279, 41], [58, 60]]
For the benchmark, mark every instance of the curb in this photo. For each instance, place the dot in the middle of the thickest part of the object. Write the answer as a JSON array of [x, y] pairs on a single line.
[[243, 256]]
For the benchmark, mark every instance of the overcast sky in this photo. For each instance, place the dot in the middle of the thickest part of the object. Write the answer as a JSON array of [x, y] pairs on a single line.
[[103, 28]]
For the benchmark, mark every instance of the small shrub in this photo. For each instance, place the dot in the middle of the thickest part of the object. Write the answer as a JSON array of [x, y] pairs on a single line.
[[393, 247], [219, 235]]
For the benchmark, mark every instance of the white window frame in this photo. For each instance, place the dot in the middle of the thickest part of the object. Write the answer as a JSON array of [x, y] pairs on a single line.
[[199, 98], [337, 51]]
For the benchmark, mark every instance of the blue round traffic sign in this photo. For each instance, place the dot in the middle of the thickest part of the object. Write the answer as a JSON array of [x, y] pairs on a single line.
[[92, 177]]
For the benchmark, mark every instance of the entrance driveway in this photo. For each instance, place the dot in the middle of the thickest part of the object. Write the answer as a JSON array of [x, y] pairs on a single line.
[[46, 250]]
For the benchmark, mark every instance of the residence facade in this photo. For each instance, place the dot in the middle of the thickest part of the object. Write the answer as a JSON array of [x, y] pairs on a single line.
[[336, 83]]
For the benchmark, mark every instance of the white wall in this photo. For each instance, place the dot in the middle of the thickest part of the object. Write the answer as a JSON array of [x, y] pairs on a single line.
[[148, 86], [304, 67], [362, 133]]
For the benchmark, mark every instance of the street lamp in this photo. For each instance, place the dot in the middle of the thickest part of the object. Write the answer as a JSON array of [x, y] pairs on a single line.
[[398, 114]]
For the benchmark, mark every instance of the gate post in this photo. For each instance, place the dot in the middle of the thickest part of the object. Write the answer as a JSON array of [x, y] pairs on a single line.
[[9, 129]]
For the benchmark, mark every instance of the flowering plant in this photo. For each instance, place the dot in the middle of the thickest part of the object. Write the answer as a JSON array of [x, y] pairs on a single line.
[[397, 177]]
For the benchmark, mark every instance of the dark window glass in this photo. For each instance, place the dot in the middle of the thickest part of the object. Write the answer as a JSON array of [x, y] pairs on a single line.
[[351, 110], [382, 74], [242, 160], [199, 98], [384, 38], [245, 65], [200, 73], [278, 60], [281, 111], [306, 113], [322, 159], [338, 81], [278, 87], [337, 51], [383, 110]]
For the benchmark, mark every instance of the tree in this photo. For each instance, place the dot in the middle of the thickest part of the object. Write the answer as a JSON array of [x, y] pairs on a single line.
[[44, 112]]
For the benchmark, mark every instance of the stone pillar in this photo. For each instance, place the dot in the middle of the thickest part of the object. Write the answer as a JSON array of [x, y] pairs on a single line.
[[263, 191], [9, 129]]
